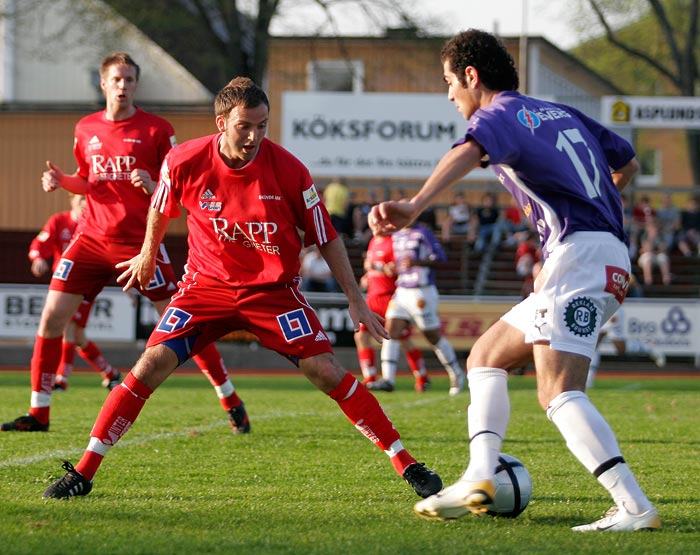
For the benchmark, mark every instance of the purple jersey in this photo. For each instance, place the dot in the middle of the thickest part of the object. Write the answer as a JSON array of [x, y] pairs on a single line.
[[416, 243], [556, 162]]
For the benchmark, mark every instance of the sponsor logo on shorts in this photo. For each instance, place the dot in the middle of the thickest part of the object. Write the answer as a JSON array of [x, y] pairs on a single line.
[[294, 325], [63, 269], [617, 281], [581, 316]]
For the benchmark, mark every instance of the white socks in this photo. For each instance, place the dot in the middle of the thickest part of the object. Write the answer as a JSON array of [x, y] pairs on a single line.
[[389, 357], [591, 440], [487, 416]]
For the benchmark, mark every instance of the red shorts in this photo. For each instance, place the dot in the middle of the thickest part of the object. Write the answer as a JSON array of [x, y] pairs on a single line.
[[80, 318], [88, 264], [378, 304], [204, 309]]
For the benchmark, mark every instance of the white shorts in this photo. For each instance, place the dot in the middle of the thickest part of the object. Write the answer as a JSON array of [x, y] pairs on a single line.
[[415, 304], [583, 282]]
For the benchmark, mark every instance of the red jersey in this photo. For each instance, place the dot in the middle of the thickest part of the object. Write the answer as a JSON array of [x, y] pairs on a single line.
[[380, 251], [106, 152], [243, 223], [53, 239]]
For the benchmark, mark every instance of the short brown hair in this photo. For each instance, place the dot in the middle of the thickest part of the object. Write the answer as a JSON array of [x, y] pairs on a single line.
[[118, 58], [240, 91]]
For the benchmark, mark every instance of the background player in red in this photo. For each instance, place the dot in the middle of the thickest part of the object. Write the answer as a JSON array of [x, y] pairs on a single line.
[[380, 282], [247, 201], [44, 253], [119, 151]]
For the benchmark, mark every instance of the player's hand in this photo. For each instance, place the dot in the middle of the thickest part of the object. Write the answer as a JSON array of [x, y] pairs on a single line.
[[138, 271], [390, 216], [51, 178], [39, 267], [141, 178], [360, 313]]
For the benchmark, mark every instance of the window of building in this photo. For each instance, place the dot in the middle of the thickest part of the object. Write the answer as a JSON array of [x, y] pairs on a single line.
[[650, 167], [335, 75]]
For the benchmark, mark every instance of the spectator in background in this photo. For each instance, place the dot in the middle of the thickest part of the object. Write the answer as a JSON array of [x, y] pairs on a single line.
[[315, 273], [459, 222], [668, 218], [336, 197], [513, 223], [362, 234], [652, 253], [689, 236], [487, 215], [527, 258], [642, 213], [45, 253]]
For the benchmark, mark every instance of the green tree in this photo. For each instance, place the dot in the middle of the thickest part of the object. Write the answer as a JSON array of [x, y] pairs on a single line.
[[654, 54], [216, 39]]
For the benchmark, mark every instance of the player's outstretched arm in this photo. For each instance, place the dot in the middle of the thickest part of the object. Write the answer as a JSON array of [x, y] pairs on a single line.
[[142, 267], [55, 178]]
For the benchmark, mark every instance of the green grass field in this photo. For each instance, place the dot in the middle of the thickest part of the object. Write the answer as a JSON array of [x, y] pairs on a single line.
[[306, 482]]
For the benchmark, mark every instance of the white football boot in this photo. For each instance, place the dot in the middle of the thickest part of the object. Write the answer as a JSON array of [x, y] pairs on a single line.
[[457, 500], [620, 520]]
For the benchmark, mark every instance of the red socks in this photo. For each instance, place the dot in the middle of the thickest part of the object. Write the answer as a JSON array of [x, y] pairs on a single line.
[[120, 410], [364, 411]]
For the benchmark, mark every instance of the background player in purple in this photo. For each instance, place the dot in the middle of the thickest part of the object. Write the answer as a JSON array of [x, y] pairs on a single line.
[[416, 253], [248, 200], [566, 172]]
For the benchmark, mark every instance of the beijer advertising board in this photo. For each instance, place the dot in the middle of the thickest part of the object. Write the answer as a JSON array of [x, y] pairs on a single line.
[[112, 317], [371, 134]]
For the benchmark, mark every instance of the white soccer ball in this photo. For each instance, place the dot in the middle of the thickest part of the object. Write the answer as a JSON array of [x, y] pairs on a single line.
[[513, 487]]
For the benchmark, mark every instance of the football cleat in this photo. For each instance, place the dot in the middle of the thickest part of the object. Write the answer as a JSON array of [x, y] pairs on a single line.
[[457, 500], [381, 385], [620, 520], [72, 484], [240, 423], [422, 384], [658, 357], [423, 480], [26, 423], [60, 384], [456, 382], [111, 383]]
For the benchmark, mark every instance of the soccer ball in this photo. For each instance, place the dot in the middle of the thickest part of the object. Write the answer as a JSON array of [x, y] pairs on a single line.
[[513, 487]]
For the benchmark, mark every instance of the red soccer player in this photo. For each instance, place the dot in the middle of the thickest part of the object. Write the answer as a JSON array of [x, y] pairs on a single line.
[[44, 253], [247, 201], [119, 151], [380, 282]]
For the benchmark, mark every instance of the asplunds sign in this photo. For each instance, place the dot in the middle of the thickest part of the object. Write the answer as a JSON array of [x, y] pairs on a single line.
[[667, 112], [370, 134]]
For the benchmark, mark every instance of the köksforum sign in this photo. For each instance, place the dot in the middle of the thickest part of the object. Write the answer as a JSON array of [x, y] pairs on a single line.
[[371, 134], [661, 112]]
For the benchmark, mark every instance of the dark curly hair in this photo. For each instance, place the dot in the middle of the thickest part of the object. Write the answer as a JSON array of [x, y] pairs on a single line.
[[487, 54]]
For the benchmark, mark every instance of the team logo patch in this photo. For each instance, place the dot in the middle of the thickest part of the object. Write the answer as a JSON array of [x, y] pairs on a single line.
[[529, 119], [311, 197], [63, 269], [294, 325], [157, 281], [173, 319], [581, 316]]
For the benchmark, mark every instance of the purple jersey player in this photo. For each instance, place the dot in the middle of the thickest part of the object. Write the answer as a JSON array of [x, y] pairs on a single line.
[[415, 300], [566, 172]]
